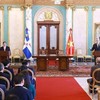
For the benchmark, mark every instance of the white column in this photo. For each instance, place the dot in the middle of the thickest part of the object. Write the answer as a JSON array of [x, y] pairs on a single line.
[[68, 21]]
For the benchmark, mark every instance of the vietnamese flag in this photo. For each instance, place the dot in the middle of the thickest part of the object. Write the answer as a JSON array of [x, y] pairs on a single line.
[[70, 44]]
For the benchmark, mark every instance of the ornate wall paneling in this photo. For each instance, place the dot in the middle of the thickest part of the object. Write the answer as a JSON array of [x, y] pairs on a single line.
[[96, 23], [56, 16], [80, 28], [16, 28], [1, 24]]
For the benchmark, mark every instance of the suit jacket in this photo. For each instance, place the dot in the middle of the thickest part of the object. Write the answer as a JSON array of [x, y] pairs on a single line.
[[7, 48], [95, 47], [21, 92]]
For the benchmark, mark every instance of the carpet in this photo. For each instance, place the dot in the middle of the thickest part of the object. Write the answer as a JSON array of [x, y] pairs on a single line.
[[59, 88], [83, 71]]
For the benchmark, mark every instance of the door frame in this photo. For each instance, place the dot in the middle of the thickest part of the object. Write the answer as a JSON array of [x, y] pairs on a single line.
[[49, 23]]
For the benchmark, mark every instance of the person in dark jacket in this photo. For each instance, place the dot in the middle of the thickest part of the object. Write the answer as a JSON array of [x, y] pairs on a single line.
[[96, 47], [5, 48], [19, 89], [7, 64], [90, 80]]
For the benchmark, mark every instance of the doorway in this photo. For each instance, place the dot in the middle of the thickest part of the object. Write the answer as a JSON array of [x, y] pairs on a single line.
[[48, 36]]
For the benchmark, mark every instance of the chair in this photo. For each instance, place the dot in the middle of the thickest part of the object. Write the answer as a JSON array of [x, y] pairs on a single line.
[[31, 72], [43, 51], [8, 72], [88, 58], [5, 81], [2, 94], [96, 81], [60, 52], [79, 56], [16, 55]]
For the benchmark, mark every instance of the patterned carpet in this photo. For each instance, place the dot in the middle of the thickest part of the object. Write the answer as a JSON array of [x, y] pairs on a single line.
[[75, 69]]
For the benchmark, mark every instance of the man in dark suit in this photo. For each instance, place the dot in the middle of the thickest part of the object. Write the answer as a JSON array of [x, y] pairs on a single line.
[[96, 47], [20, 91], [5, 48], [90, 80]]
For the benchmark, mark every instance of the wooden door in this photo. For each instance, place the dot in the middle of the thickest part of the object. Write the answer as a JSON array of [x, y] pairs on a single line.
[[48, 36]]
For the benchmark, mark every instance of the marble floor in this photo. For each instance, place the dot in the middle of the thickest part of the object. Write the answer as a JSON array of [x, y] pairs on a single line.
[[83, 83]]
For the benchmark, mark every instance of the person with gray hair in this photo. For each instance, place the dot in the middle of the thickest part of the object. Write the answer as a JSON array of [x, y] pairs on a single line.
[[90, 80]]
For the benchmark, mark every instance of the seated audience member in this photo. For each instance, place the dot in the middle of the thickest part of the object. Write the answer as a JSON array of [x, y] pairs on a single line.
[[6, 64], [25, 65], [2, 86], [12, 97], [28, 83], [90, 80], [3, 74], [19, 90]]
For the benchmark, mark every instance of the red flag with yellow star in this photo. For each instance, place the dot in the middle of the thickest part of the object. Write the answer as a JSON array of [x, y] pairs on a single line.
[[70, 44]]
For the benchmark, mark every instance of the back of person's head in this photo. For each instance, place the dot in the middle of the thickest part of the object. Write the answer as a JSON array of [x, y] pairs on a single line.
[[24, 62], [98, 60], [18, 79], [6, 62], [12, 97], [26, 76], [1, 67]]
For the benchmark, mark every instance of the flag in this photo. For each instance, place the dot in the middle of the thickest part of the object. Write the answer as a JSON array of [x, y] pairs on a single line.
[[70, 44], [27, 45]]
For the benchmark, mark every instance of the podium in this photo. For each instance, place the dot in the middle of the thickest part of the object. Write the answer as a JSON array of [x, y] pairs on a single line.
[[4, 55], [96, 53]]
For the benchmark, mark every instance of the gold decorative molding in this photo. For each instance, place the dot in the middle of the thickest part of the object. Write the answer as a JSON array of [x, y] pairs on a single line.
[[73, 8], [51, 2], [86, 8], [1, 8], [9, 7], [22, 7], [69, 6], [28, 5], [93, 8]]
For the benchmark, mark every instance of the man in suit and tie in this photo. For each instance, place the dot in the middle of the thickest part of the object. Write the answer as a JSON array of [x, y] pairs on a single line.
[[5, 48], [19, 90], [96, 47]]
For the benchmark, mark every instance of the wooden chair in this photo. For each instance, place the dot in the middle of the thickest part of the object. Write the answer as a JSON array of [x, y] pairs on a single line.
[[79, 55], [2, 94], [96, 81], [43, 51], [60, 52], [31, 72], [4, 79], [16, 55], [88, 58]]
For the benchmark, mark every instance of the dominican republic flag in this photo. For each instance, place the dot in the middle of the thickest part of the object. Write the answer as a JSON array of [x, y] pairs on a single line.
[[27, 45]]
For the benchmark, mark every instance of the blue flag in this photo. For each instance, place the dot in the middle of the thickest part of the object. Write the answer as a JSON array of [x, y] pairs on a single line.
[[27, 45]]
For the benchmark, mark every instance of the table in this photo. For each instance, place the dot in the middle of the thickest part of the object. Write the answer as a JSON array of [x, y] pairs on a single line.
[[63, 61]]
